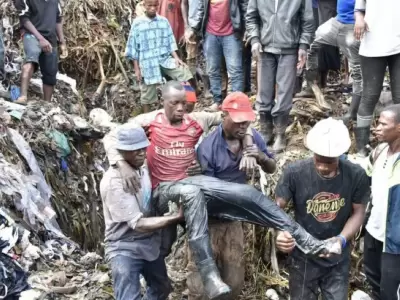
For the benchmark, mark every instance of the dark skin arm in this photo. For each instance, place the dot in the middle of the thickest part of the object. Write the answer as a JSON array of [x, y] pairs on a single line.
[[267, 164], [60, 33], [155, 223], [355, 222], [185, 11], [284, 241]]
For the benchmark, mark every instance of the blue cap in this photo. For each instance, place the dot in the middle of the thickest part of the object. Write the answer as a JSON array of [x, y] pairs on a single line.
[[132, 139]]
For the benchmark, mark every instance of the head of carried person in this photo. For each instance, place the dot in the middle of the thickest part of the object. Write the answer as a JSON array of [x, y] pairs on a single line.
[[237, 115], [328, 139], [132, 144], [174, 100], [388, 129], [151, 7]]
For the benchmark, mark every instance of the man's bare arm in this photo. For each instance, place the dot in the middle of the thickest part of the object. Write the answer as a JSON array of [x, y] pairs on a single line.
[[155, 223], [267, 164], [355, 222], [185, 12]]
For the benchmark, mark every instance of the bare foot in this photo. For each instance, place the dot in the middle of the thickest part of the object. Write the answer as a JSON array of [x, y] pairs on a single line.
[[23, 100]]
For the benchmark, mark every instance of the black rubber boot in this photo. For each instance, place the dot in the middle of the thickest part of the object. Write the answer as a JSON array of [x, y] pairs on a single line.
[[214, 287], [266, 126], [351, 115], [280, 124], [362, 140]]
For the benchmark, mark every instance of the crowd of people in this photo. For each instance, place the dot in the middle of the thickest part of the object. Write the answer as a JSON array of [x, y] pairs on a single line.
[[170, 156]]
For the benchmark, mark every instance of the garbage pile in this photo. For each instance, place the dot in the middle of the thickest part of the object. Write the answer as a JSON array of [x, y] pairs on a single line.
[[95, 31], [60, 268]]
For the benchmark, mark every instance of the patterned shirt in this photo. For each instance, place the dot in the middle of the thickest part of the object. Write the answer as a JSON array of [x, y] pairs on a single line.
[[151, 42]]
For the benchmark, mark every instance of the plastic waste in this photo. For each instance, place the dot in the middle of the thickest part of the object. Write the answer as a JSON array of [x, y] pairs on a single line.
[[62, 142], [360, 295]]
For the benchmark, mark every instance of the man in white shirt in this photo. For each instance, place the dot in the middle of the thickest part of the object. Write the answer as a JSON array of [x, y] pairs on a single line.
[[378, 27], [382, 237]]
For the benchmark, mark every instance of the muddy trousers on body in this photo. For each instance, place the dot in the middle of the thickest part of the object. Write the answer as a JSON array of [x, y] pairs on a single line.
[[382, 270], [202, 195], [340, 35], [227, 242], [373, 72]]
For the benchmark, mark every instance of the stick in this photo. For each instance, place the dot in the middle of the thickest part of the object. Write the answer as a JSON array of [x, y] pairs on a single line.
[[119, 62], [103, 82]]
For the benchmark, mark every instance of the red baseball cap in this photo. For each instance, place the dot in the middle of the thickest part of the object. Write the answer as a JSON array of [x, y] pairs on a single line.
[[238, 105]]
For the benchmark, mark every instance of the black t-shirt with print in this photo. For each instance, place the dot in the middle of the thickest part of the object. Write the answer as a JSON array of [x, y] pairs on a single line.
[[323, 206]]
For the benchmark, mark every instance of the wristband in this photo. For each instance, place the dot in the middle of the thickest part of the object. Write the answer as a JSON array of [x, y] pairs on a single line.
[[343, 239]]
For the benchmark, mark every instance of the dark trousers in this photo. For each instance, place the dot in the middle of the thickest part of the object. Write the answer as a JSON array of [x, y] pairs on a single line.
[[373, 72], [247, 56], [203, 195], [382, 270], [126, 276], [307, 280]]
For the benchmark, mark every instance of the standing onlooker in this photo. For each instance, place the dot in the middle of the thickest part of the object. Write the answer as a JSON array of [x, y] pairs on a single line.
[[378, 27], [152, 47], [171, 9], [339, 32], [132, 236], [329, 196], [382, 237], [221, 22], [41, 25], [280, 33]]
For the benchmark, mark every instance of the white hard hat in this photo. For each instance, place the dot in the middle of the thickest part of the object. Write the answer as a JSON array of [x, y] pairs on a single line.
[[329, 138]]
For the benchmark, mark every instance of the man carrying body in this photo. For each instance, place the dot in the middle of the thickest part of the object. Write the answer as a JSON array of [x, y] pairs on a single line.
[[173, 136], [219, 155], [41, 25], [338, 32], [132, 237], [222, 24], [280, 33], [382, 237], [329, 196]]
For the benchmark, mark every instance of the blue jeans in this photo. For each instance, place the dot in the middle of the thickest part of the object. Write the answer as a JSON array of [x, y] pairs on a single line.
[[231, 48], [126, 276]]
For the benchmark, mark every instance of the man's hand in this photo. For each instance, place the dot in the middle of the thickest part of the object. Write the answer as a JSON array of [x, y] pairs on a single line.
[[248, 164], [179, 63], [285, 242], [302, 57], [45, 45], [194, 169], [360, 27], [188, 36], [138, 75], [253, 151], [336, 242], [130, 179], [256, 49], [64, 51]]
